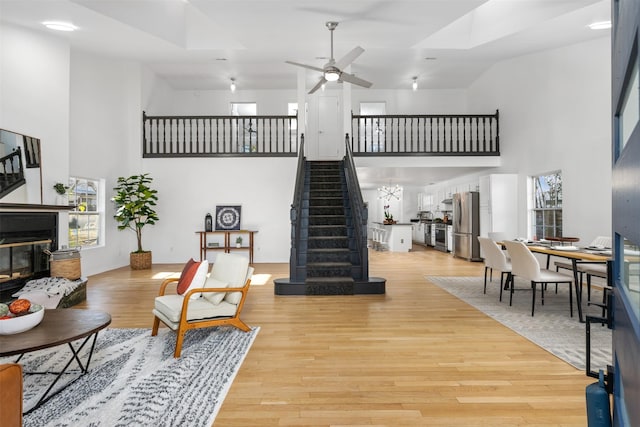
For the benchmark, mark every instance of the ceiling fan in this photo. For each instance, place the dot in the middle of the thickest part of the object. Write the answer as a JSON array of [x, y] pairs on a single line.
[[332, 70]]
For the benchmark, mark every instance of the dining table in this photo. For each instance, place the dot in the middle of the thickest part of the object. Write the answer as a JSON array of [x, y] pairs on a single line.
[[575, 255]]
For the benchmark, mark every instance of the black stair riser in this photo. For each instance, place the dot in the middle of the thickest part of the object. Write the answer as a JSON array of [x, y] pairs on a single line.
[[327, 220], [327, 230], [325, 201], [314, 256], [329, 289], [327, 243], [326, 210], [325, 186], [313, 271]]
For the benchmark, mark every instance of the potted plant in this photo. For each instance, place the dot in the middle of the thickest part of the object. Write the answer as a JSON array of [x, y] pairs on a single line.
[[388, 216], [135, 201], [239, 242], [62, 197]]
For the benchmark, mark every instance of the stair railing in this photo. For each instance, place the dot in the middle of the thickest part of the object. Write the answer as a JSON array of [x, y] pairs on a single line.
[[359, 209], [296, 214], [11, 172]]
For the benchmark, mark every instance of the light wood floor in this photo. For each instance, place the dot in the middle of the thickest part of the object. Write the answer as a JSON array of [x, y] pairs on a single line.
[[416, 356]]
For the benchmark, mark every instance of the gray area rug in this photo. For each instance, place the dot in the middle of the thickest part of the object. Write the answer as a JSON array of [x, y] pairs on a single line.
[[134, 380], [551, 328]]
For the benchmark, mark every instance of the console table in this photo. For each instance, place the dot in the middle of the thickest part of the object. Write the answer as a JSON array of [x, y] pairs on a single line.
[[226, 245]]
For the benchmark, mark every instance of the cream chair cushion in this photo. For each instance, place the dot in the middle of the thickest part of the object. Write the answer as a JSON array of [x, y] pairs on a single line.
[[169, 307], [214, 297], [230, 269]]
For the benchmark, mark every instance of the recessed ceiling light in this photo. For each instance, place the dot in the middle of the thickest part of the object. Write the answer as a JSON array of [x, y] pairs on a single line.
[[430, 58], [602, 25], [60, 26]]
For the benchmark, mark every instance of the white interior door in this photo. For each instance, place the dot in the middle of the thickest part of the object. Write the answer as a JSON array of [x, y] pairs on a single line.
[[329, 128]]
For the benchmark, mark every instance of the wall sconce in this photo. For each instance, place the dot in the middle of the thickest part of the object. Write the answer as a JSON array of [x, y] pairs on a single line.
[[414, 85], [232, 86]]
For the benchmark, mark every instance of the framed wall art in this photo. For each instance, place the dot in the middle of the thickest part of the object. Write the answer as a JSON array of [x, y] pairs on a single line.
[[228, 217]]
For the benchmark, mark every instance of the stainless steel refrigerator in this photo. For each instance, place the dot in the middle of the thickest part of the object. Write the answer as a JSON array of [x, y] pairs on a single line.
[[466, 225]]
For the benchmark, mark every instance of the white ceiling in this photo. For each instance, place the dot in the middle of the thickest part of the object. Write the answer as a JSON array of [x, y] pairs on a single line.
[[202, 44], [183, 40]]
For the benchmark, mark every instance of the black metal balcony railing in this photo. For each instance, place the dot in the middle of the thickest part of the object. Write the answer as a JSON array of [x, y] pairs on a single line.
[[212, 136], [264, 136], [459, 135]]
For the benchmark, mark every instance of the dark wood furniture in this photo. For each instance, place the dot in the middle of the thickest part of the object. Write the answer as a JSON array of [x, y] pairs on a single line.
[[59, 326], [227, 246], [563, 240]]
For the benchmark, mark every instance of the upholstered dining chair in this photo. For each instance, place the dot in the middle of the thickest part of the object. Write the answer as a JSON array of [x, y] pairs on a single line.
[[201, 301], [590, 268], [495, 259], [526, 266]]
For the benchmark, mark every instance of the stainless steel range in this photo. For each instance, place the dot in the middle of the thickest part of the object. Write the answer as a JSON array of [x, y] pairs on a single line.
[[440, 230]]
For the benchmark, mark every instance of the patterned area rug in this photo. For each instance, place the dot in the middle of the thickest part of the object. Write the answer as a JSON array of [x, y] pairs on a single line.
[[134, 380], [551, 328]]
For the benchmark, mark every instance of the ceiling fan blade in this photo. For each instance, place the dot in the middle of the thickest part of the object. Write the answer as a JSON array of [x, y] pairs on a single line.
[[349, 57], [318, 85], [350, 78], [311, 67]]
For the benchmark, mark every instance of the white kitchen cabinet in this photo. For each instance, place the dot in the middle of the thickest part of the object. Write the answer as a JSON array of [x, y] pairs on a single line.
[[499, 204]]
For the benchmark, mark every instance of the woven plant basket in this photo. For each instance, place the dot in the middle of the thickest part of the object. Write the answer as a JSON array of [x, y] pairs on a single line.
[[140, 260], [67, 268]]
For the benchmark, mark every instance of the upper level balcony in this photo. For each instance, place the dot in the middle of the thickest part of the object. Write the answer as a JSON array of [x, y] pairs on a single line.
[[372, 136]]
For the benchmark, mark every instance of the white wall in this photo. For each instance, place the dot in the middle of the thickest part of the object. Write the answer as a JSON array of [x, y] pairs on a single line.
[[188, 189], [555, 115], [34, 97], [105, 117]]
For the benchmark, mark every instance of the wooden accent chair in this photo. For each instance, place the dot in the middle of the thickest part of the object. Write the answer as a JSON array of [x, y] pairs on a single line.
[[215, 301], [11, 395]]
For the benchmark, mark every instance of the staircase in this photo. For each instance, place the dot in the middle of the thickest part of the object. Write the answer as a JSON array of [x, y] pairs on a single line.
[[326, 255]]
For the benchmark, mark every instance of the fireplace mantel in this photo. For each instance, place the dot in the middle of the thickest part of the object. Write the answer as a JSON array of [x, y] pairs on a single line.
[[35, 207]]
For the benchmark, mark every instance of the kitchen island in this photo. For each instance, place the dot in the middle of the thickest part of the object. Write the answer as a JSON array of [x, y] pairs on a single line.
[[398, 236]]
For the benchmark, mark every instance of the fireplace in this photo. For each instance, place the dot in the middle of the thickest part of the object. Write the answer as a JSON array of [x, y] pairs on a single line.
[[24, 236]]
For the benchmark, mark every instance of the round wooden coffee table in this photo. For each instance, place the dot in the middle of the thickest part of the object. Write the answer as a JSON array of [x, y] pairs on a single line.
[[59, 326]]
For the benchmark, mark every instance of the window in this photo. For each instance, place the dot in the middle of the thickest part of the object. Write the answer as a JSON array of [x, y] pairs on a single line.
[[86, 221], [546, 215]]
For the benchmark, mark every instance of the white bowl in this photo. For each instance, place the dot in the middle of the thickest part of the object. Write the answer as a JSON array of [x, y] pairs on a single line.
[[21, 323]]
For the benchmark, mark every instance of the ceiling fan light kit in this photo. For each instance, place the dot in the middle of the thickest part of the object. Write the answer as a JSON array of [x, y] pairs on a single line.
[[333, 70]]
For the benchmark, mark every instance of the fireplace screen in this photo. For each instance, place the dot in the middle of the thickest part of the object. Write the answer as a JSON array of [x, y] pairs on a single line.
[[23, 260]]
